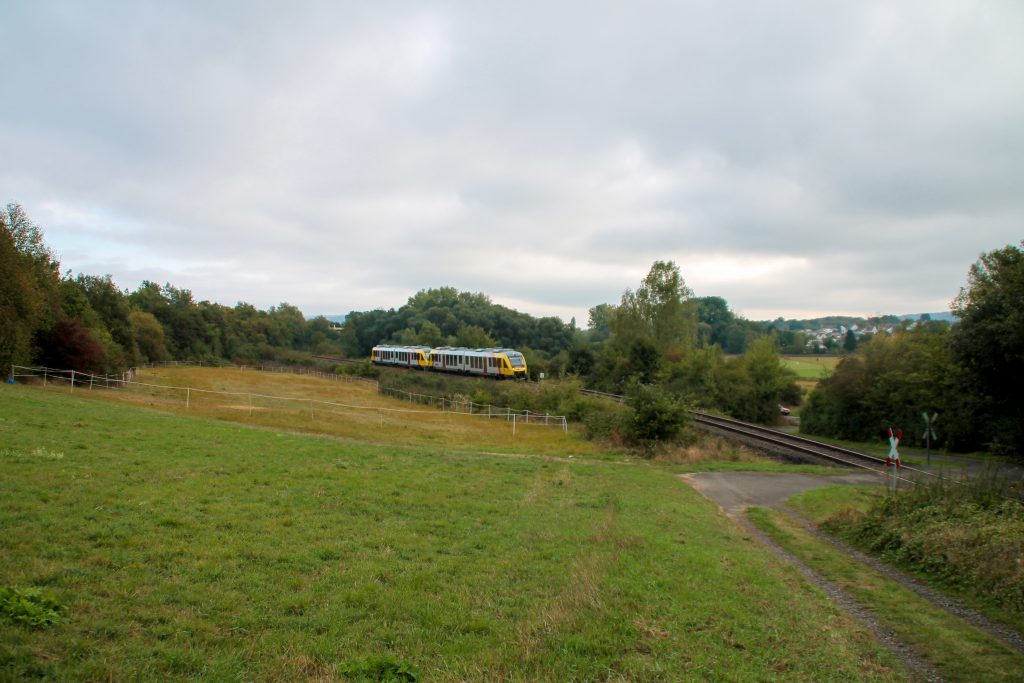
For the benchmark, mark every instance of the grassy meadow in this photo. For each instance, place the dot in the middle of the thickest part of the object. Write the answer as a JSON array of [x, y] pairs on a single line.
[[810, 370], [215, 546]]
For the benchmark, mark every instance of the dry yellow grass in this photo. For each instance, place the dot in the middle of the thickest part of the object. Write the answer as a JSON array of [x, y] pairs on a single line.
[[350, 410]]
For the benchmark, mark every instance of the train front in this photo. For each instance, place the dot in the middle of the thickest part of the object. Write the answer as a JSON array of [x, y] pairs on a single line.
[[517, 364]]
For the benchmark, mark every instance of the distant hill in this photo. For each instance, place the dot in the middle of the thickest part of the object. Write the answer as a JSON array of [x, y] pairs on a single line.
[[944, 316]]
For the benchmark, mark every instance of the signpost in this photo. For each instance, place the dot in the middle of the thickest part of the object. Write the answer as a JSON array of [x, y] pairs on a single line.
[[929, 432], [893, 459]]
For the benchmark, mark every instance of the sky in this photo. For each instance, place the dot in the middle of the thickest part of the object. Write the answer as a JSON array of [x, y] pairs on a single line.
[[798, 158]]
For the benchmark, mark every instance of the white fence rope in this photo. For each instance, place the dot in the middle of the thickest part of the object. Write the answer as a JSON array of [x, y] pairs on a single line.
[[483, 409], [88, 381]]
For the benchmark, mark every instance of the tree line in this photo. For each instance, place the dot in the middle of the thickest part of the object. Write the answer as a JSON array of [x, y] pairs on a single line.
[[87, 323]]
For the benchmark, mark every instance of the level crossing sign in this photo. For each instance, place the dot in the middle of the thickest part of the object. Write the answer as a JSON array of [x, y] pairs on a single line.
[[929, 428], [894, 454]]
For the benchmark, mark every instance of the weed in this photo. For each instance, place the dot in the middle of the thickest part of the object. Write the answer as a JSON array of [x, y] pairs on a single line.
[[30, 607], [380, 669]]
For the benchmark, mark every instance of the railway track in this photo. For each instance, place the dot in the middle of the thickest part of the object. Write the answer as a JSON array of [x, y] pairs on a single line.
[[781, 443], [773, 439]]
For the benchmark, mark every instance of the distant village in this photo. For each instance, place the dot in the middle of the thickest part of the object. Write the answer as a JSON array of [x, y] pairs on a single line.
[[829, 334]]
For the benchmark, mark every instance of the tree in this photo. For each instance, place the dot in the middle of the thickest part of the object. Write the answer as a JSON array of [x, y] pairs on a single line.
[[988, 342], [474, 337], [71, 346], [660, 310], [600, 322], [149, 336], [30, 300], [715, 320], [850, 343], [580, 361]]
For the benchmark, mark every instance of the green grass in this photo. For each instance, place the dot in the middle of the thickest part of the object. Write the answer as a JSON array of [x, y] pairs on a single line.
[[820, 504], [185, 548], [957, 650], [811, 367]]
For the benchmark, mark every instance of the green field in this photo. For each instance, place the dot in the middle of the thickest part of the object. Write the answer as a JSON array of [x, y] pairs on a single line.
[[811, 367], [188, 548]]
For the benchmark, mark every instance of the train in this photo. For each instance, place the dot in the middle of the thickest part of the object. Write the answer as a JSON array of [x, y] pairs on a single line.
[[494, 363]]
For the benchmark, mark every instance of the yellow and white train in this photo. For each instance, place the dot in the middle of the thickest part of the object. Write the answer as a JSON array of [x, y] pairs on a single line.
[[496, 363]]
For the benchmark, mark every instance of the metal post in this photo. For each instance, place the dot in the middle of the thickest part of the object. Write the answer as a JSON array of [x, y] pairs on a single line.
[[72, 380]]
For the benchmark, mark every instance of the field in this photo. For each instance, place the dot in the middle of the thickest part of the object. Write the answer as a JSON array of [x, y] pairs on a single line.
[[812, 368], [809, 371], [190, 548], [348, 410]]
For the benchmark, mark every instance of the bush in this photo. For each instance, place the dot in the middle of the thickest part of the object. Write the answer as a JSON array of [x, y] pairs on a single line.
[[653, 416], [604, 422], [361, 369]]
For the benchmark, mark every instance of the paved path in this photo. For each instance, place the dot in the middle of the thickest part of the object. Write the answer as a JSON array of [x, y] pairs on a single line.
[[734, 491]]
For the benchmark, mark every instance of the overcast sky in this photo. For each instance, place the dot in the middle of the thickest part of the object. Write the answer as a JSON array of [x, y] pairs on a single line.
[[797, 158]]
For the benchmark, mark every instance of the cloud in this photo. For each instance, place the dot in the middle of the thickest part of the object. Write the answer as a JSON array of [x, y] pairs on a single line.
[[793, 158]]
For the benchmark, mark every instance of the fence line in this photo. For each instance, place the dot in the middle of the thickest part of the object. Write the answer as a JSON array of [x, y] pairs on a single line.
[[310, 372], [483, 409], [127, 379]]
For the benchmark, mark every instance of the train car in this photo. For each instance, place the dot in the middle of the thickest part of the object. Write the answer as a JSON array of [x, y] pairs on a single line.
[[417, 357], [495, 363]]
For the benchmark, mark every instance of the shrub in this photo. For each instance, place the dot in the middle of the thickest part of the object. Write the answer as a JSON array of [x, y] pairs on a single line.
[[653, 416], [604, 423]]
